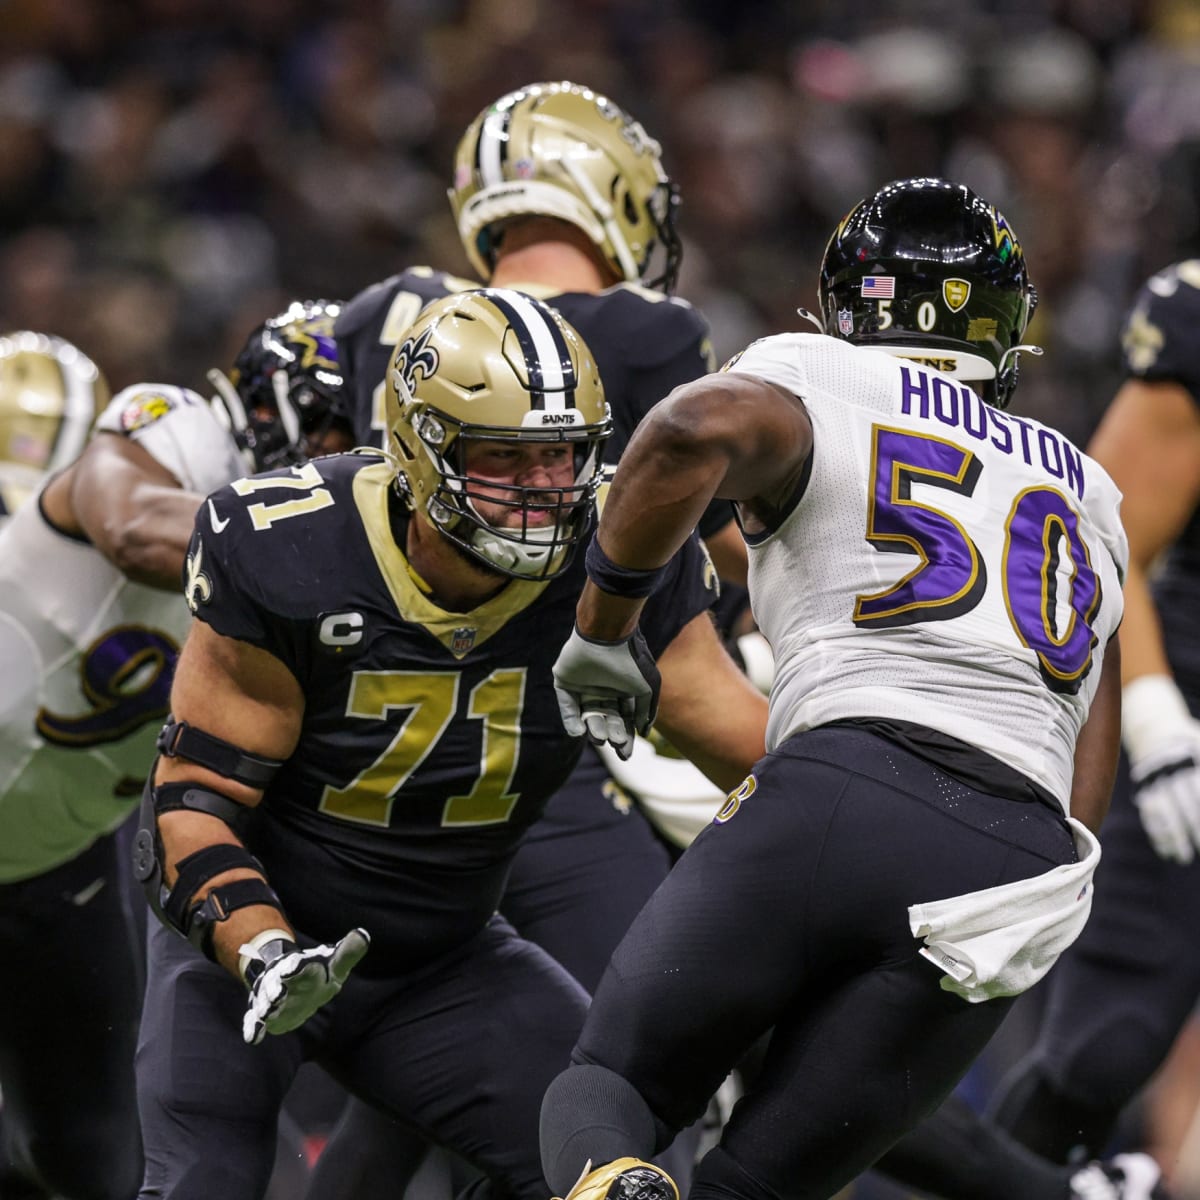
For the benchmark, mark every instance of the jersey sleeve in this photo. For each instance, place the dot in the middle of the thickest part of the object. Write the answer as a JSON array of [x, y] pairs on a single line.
[[230, 577], [1158, 342], [688, 587], [179, 430]]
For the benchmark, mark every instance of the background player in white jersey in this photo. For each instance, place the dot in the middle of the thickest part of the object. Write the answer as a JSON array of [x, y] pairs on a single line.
[[940, 583], [90, 625], [50, 393]]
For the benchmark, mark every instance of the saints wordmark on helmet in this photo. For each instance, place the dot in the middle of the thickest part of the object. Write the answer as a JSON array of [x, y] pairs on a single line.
[[416, 358]]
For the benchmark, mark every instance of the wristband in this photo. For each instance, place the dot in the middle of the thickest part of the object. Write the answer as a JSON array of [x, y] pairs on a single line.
[[258, 953], [1151, 706], [633, 583]]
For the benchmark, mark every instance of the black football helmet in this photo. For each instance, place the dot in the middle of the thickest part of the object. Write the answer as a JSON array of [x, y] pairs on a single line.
[[285, 387], [928, 270]]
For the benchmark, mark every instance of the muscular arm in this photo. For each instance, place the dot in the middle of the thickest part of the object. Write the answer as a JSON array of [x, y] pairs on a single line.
[[1098, 745], [133, 510], [248, 697], [1149, 442], [726, 435], [708, 709]]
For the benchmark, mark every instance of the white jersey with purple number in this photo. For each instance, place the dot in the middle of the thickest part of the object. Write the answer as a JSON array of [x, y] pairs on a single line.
[[948, 564], [86, 655]]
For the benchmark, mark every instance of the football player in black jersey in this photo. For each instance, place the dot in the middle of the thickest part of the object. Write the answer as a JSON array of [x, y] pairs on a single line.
[[560, 194], [364, 725]]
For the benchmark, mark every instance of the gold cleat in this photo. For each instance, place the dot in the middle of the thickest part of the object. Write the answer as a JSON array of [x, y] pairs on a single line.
[[624, 1179]]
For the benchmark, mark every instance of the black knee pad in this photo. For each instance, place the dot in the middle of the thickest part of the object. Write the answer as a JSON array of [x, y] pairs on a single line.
[[592, 1113], [719, 1176]]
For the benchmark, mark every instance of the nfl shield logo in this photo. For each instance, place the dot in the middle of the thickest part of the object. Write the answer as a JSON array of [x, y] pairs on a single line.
[[462, 640], [955, 292], [845, 322]]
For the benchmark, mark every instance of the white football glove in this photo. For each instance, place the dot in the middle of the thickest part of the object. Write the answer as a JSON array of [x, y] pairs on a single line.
[[607, 690], [1162, 740], [288, 984]]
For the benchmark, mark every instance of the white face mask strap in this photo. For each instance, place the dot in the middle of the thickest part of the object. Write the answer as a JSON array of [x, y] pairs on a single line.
[[231, 412], [603, 210]]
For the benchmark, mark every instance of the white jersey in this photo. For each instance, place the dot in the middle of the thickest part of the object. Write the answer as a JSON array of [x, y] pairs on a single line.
[[948, 564], [86, 655]]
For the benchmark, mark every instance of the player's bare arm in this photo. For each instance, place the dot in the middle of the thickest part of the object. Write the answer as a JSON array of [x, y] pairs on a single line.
[[1098, 746], [729, 436], [248, 698], [129, 506], [708, 709], [1149, 442]]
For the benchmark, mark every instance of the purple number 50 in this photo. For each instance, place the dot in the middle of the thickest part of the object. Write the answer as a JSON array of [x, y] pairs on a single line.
[[1043, 553]]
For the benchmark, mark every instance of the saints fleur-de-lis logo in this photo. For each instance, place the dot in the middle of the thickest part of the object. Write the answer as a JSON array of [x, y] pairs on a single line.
[[415, 359], [197, 587]]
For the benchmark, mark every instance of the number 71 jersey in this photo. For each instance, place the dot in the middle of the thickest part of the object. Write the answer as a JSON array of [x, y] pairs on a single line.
[[948, 563]]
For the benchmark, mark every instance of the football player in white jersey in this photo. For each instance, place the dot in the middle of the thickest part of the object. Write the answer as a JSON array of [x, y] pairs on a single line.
[[90, 624], [940, 583]]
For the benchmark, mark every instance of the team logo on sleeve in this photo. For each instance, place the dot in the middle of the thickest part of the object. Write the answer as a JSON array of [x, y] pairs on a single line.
[[197, 587], [144, 409]]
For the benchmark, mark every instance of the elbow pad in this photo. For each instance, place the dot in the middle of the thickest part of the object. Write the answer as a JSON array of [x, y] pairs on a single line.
[[174, 906]]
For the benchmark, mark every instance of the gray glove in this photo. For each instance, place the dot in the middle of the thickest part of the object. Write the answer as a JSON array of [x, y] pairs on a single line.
[[607, 690], [290, 984]]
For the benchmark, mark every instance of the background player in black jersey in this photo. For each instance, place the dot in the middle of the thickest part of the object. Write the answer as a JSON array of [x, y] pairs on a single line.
[[1121, 994], [560, 194], [365, 703]]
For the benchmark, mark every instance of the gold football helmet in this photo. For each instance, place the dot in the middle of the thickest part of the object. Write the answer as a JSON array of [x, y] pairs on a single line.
[[561, 150], [496, 365], [50, 393]]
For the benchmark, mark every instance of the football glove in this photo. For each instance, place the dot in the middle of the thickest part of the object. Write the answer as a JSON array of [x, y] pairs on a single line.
[[1162, 741], [288, 985], [607, 691]]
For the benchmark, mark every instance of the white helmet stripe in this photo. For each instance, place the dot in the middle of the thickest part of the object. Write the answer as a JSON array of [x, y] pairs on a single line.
[[493, 146], [547, 360], [79, 407]]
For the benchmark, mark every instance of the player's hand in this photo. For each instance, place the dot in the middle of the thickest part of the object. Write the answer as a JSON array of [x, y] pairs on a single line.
[[1163, 743], [607, 690], [292, 984]]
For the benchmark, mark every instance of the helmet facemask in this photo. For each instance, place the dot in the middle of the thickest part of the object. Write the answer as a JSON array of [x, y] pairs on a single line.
[[461, 358]]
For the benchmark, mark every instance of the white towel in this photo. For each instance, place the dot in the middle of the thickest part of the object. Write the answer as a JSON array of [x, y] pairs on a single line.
[[1002, 940]]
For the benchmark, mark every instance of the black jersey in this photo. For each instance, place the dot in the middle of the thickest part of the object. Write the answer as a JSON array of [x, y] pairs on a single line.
[[644, 343], [1160, 343], [430, 740]]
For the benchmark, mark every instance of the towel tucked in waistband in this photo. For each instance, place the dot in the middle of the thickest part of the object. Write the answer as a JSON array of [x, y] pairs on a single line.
[[1002, 940]]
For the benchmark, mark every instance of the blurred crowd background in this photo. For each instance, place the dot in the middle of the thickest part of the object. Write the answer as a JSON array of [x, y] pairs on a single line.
[[172, 171]]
